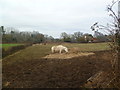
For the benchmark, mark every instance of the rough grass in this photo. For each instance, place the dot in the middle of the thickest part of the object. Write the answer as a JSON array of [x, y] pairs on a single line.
[[89, 46], [38, 51], [29, 53]]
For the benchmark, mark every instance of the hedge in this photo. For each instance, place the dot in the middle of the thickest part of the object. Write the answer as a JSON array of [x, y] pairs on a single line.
[[13, 49]]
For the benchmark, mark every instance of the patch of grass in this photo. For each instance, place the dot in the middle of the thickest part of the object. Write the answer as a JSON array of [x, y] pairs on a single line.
[[7, 46], [89, 46], [29, 53]]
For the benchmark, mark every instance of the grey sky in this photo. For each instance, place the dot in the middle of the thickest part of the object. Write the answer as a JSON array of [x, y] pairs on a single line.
[[53, 17]]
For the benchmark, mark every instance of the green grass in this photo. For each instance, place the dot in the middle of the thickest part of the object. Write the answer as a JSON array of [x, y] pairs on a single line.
[[29, 53], [89, 46], [7, 46]]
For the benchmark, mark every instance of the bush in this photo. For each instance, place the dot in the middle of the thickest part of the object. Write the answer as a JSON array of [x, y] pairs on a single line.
[[13, 49]]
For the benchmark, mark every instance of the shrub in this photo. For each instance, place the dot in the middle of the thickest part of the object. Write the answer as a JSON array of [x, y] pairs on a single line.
[[13, 49]]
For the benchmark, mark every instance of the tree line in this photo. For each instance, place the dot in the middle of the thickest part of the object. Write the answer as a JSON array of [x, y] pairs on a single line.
[[79, 37], [12, 35]]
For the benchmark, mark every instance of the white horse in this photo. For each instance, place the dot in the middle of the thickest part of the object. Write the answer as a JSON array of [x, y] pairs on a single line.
[[59, 49]]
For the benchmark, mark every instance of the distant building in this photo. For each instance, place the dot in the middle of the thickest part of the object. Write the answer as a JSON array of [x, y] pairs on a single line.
[[99, 37]]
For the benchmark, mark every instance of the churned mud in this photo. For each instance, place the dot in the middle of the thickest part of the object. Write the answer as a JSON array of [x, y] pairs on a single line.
[[55, 73]]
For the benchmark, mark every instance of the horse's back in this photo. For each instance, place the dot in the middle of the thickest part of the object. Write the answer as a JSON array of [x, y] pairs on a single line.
[[59, 48]]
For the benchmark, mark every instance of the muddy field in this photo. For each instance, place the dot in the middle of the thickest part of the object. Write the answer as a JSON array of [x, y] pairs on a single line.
[[55, 73]]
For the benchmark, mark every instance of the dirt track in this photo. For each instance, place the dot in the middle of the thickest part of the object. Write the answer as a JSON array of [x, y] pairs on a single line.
[[46, 73]]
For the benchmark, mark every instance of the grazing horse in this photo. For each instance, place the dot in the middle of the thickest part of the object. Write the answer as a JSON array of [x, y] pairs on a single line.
[[59, 49]]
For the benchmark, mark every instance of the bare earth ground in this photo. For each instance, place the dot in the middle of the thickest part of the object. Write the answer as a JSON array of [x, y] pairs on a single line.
[[55, 73]]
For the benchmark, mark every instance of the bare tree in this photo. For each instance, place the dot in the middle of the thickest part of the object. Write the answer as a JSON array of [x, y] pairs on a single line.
[[114, 30]]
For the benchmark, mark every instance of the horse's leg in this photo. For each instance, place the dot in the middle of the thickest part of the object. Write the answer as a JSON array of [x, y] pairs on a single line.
[[60, 51], [53, 50]]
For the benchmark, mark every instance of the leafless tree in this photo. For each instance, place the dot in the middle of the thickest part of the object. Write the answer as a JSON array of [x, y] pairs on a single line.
[[114, 30]]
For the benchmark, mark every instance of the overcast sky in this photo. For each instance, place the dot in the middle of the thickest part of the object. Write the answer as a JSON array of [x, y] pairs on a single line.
[[53, 17]]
